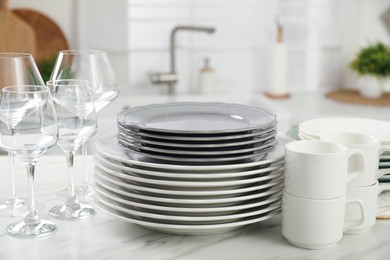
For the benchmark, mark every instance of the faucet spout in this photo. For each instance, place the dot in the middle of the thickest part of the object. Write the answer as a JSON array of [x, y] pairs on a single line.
[[173, 40], [171, 78]]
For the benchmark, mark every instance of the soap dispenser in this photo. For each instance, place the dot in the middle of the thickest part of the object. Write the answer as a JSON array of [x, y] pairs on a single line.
[[207, 78]]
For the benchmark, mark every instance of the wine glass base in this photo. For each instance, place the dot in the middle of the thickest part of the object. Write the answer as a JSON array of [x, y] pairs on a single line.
[[74, 212], [82, 192], [42, 228]]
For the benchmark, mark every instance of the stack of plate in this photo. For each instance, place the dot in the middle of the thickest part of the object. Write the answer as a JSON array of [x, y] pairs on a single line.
[[197, 133], [312, 129], [191, 168]]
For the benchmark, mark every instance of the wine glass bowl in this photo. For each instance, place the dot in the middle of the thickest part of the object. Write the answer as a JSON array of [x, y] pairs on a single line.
[[17, 69], [28, 128], [90, 65], [77, 123]]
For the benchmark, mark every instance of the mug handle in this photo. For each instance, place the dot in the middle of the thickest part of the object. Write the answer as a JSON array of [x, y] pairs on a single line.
[[361, 164], [351, 224]]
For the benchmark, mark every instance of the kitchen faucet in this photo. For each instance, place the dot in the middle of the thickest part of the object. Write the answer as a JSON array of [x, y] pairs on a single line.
[[171, 78]]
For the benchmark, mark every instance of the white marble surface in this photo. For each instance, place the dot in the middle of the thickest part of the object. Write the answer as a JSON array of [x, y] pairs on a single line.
[[306, 105], [105, 237]]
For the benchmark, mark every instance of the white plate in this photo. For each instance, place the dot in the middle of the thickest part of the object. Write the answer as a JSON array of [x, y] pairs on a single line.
[[198, 139], [169, 144], [259, 148], [185, 229], [169, 208], [197, 170], [117, 166], [186, 210], [303, 136], [196, 118], [107, 146], [190, 191], [122, 195], [315, 127], [177, 218], [201, 185], [198, 161]]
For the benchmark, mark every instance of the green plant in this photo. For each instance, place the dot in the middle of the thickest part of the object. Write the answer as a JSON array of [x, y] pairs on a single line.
[[373, 60], [46, 67]]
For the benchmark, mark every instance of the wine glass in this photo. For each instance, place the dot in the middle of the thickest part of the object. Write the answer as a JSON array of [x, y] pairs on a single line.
[[17, 69], [93, 66], [28, 128], [77, 123]]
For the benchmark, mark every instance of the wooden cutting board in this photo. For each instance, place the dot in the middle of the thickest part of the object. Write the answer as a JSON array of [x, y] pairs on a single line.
[[15, 34], [49, 37]]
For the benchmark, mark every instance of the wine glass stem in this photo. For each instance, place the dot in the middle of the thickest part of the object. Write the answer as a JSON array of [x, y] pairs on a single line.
[[11, 176], [69, 160], [84, 172], [31, 216]]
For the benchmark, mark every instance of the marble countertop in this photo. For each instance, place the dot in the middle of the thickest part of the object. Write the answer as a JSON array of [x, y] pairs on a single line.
[[105, 237], [304, 105]]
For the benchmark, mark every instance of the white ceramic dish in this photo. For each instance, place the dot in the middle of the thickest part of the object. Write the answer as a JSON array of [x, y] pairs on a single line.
[[126, 195], [303, 136], [192, 146], [315, 127], [201, 160], [201, 185], [205, 153], [196, 118], [117, 193], [128, 169], [181, 210], [185, 193], [176, 219], [202, 202], [107, 146], [185, 229], [197, 139]]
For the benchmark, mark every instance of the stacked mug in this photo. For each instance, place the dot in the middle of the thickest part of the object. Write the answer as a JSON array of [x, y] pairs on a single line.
[[315, 193], [365, 187]]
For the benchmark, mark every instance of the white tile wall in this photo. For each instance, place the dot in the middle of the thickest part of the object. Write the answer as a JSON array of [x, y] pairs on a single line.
[[139, 30]]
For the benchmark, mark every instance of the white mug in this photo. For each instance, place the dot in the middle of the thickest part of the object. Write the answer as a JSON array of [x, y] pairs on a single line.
[[369, 196], [319, 169], [370, 147], [316, 224]]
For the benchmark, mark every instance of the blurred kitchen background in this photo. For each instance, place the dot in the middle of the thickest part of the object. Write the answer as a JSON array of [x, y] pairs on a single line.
[[322, 37]]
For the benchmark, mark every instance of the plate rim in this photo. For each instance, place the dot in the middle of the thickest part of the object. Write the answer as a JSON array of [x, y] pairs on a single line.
[[273, 193], [171, 152], [272, 190], [124, 157], [208, 175], [194, 104], [188, 228], [365, 121], [200, 138], [191, 184]]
